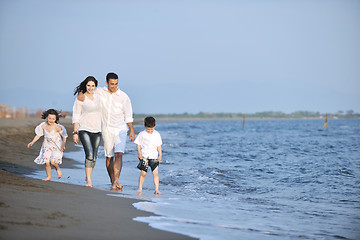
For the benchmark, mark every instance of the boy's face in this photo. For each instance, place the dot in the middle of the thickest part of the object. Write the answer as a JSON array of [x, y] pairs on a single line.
[[150, 130]]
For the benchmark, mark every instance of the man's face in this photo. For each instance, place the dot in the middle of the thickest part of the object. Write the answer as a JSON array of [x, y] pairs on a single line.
[[112, 85]]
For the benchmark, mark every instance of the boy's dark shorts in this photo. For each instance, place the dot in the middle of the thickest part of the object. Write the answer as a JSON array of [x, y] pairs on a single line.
[[145, 163]]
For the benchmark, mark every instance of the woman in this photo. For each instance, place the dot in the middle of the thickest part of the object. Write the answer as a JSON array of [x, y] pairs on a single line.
[[87, 124]]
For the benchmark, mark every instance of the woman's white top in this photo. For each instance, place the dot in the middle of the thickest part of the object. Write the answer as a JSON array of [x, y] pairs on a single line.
[[87, 114], [149, 143]]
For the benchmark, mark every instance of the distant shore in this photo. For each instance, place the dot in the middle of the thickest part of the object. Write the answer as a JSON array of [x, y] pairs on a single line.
[[268, 115], [33, 209]]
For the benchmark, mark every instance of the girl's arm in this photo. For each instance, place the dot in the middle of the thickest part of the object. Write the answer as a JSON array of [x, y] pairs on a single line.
[[138, 147], [64, 135], [33, 141], [63, 144], [159, 149]]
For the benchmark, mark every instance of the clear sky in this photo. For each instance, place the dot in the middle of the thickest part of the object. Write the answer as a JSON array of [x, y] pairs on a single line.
[[175, 56]]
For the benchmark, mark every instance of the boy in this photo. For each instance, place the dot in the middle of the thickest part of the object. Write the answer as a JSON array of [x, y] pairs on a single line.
[[150, 154]]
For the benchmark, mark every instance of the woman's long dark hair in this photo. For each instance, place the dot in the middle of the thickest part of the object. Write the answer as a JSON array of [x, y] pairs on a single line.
[[82, 85]]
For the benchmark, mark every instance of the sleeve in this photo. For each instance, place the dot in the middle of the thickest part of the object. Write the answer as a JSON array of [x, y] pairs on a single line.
[[138, 139], [128, 114], [63, 132], [159, 140], [39, 131], [77, 111]]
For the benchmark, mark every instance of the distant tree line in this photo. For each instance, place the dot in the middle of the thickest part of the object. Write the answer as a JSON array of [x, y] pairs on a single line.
[[259, 115]]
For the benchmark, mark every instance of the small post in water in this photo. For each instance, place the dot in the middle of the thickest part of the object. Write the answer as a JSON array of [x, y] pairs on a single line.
[[325, 124], [243, 120]]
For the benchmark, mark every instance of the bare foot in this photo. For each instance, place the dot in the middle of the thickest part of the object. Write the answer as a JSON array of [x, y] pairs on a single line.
[[117, 186], [139, 191], [158, 193], [59, 173], [89, 184], [47, 179]]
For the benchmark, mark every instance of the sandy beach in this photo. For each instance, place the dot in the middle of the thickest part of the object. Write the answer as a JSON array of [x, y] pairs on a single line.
[[33, 209]]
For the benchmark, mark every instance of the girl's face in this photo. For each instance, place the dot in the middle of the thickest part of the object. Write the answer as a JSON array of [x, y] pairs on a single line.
[[51, 118], [90, 87]]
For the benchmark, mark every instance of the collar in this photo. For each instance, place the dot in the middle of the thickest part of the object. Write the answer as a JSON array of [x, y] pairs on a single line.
[[118, 91]]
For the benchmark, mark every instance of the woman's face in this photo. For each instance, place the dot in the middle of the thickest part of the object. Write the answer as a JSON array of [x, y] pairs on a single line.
[[90, 87]]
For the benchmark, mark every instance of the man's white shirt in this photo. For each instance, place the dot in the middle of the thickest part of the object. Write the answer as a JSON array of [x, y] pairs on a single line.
[[116, 109]]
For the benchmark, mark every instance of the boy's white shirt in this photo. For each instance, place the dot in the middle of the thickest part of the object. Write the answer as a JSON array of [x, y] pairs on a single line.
[[149, 143]]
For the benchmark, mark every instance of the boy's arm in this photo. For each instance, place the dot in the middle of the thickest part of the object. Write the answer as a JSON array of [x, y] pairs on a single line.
[[159, 149], [138, 147], [33, 141]]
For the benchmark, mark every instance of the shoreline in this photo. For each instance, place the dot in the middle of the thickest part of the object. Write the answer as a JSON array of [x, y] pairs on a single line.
[[34, 209]]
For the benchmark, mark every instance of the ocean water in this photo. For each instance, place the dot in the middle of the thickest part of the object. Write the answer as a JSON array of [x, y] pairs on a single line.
[[284, 179]]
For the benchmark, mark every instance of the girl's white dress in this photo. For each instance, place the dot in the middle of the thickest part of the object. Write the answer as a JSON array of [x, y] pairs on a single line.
[[51, 147]]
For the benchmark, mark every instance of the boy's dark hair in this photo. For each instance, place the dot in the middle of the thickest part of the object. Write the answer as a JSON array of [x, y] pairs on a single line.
[[111, 76], [46, 113], [82, 85], [149, 122]]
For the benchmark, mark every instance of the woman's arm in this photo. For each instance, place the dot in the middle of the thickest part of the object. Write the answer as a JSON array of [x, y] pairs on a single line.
[[76, 133]]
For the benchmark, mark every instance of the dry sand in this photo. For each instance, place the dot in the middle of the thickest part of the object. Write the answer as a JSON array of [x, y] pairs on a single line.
[[33, 209]]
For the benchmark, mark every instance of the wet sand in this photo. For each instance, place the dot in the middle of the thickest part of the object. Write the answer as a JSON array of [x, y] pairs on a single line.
[[33, 209]]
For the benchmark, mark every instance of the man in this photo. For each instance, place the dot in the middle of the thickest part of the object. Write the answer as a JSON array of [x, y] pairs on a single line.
[[116, 120]]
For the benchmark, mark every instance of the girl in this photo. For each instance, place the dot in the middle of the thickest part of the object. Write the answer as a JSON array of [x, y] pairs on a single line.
[[53, 146], [87, 124]]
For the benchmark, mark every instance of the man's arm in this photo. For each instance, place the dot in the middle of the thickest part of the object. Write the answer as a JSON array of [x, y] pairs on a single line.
[[81, 97], [132, 132]]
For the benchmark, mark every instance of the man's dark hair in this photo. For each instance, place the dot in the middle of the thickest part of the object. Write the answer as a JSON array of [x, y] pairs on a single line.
[[149, 122], [111, 76]]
